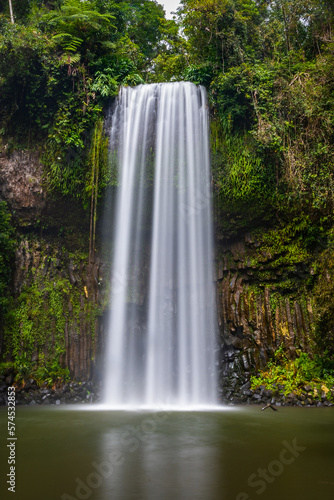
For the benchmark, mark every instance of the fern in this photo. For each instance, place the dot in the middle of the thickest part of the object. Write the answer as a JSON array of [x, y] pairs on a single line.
[[69, 43], [74, 14], [70, 59]]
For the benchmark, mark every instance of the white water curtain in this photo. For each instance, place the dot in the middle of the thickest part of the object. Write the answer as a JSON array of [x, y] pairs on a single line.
[[161, 348]]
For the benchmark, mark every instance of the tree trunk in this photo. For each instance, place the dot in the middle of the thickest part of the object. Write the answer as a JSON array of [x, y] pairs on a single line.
[[286, 28], [11, 11]]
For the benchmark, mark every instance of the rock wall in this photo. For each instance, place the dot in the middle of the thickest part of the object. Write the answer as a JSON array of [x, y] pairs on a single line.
[[56, 296], [55, 315], [21, 185], [264, 299]]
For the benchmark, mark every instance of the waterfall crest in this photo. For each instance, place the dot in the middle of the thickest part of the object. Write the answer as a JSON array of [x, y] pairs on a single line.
[[161, 339]]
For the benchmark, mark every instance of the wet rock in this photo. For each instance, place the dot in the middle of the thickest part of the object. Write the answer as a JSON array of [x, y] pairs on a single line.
[[246, 386], [81, 391], [3, 386], [237, 342], [78, 393], [21, 184], [247, 393]]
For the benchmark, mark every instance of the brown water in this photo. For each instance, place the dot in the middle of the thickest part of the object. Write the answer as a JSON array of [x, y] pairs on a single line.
[[72, 454]]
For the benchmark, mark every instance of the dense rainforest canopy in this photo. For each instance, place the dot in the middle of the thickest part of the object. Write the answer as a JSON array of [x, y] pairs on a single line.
[[268, 66]]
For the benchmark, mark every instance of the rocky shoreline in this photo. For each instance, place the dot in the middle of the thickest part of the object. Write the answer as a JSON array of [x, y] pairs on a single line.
[[262, 396], [90, 393], [71, 393]]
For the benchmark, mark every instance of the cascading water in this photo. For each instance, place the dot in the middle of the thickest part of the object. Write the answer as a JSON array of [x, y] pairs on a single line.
[[161, 349]]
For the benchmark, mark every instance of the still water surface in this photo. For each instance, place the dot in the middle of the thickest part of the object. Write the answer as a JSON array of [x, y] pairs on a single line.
[[109, 455]]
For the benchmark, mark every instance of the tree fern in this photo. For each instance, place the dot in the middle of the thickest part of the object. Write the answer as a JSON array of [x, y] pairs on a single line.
[[68, 42]]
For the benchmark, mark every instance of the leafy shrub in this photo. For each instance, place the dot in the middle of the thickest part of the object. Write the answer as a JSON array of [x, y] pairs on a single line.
[[293, 375], [51, 371], [23, 367]]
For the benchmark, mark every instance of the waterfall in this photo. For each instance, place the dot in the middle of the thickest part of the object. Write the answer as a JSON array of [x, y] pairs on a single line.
[[161, 339]]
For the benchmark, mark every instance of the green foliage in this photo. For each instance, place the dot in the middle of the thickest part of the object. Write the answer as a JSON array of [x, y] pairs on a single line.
[[172, 60], [51, 371], [269, 67], [223, 33], [36, 324], [143, 21], [284, 245], [199, 74], [59, 69], [244, 182], [324, 304], [318, 373], [244, 178], [7, 245], [168, 68], [105, 83], [98, 161], [23, 366], [244, 92], [65, 157], [98, 179], [78, 27], [29, 81]]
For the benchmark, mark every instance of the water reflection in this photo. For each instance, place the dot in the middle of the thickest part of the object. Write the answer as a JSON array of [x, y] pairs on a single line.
[[103, 455], [162, 456]]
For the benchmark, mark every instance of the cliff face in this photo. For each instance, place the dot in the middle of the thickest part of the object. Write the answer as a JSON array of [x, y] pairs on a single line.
[[56, 308], [263, 302], [21, 185], [265, 286], [54, 316]]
